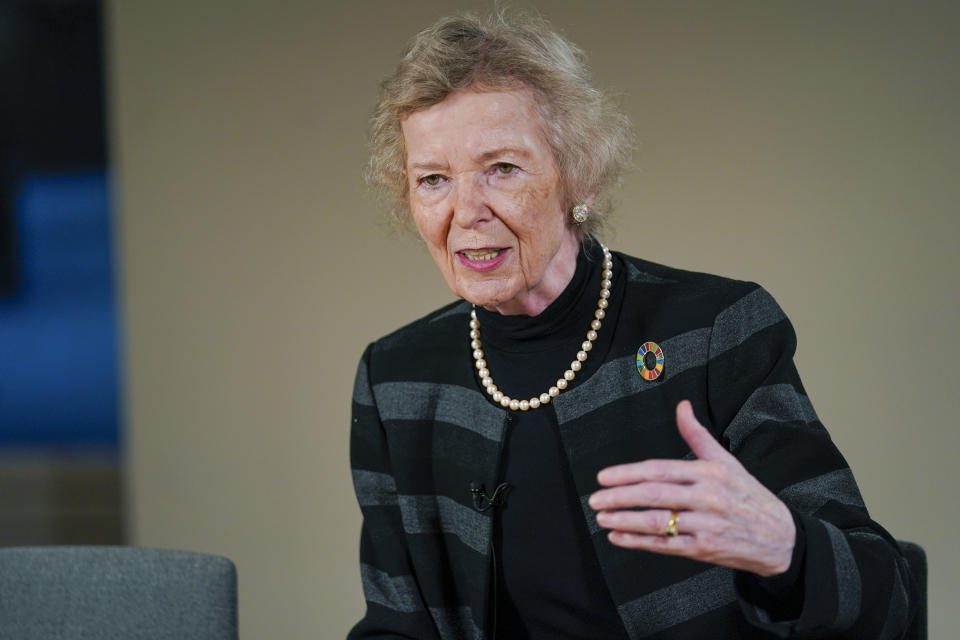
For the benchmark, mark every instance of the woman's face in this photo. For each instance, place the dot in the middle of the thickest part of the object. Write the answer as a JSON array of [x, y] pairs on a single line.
[[485, 194]]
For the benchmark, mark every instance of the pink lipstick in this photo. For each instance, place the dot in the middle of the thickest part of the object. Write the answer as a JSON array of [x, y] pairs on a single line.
[[483, 259]]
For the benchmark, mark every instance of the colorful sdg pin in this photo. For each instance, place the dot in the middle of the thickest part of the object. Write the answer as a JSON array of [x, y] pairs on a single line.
[[650, 360]]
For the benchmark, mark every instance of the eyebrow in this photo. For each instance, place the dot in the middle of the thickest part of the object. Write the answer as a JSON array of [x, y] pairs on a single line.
[[428, 166], [504, 151], [486, 156]]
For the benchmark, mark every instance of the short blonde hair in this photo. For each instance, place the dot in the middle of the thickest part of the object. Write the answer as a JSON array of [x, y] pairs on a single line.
[[590, 138]]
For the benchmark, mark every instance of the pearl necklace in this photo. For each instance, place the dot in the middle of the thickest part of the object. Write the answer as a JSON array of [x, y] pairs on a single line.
[[544, 398]]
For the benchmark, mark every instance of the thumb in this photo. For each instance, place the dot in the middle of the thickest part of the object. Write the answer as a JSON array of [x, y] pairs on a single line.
[[701, 442]]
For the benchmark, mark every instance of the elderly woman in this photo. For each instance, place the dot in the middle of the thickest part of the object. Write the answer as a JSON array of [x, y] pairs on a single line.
[[586, 444]]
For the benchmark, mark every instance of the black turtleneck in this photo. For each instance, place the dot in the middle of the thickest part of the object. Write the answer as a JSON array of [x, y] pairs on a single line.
[[549, 583]]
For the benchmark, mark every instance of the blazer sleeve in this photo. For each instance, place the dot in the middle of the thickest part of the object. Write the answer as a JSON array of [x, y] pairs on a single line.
[[847, 569], [395, 606]]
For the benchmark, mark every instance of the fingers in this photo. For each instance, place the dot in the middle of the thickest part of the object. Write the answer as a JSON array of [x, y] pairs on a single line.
[[645, 530], [726, 516], [651, 522], [705, 538], [648, 494], [701, 441], [681, 545], [679, 471]]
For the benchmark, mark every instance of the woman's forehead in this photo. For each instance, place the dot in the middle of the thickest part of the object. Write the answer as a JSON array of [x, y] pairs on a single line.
[[478, 123]]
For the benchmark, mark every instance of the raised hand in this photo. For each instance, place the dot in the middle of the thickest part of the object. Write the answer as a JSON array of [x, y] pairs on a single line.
[[723, 514]]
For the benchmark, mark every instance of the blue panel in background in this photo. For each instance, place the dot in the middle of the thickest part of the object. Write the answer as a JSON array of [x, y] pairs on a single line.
[[58, 333]]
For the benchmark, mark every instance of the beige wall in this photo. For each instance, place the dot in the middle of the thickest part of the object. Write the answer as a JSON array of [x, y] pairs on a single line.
[[811, 146]]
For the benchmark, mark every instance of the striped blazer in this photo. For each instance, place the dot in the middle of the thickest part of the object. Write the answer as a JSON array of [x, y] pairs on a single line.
[[424, 430]]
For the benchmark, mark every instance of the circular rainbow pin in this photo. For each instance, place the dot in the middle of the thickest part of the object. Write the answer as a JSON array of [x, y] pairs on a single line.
[[650, 360]]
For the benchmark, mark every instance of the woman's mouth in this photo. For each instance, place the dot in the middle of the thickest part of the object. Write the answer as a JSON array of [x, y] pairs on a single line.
[[482, 259]]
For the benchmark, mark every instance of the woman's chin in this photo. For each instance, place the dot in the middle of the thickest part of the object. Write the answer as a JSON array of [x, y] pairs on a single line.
[[487, 302], [487, 297], [504, 305]]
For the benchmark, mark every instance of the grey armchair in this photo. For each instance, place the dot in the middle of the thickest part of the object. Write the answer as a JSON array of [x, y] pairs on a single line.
[[114, 593]]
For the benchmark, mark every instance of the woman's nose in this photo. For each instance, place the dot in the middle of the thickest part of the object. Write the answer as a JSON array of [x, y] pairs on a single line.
[[470, 205]]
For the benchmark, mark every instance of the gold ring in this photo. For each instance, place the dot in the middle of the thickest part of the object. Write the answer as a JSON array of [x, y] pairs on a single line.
[[673, 525]]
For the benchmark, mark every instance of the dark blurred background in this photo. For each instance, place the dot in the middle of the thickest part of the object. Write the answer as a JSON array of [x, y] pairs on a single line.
[[59, 427]]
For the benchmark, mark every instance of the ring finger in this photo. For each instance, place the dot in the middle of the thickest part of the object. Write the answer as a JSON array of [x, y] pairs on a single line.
[[649, 521]]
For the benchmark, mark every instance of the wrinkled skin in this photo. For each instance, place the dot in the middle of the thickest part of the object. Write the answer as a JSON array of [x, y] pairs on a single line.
[[482, 176], [726, 517]]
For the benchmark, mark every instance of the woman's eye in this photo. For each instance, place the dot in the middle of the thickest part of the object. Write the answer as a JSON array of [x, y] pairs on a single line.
[[431, 180], [504, 168]]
